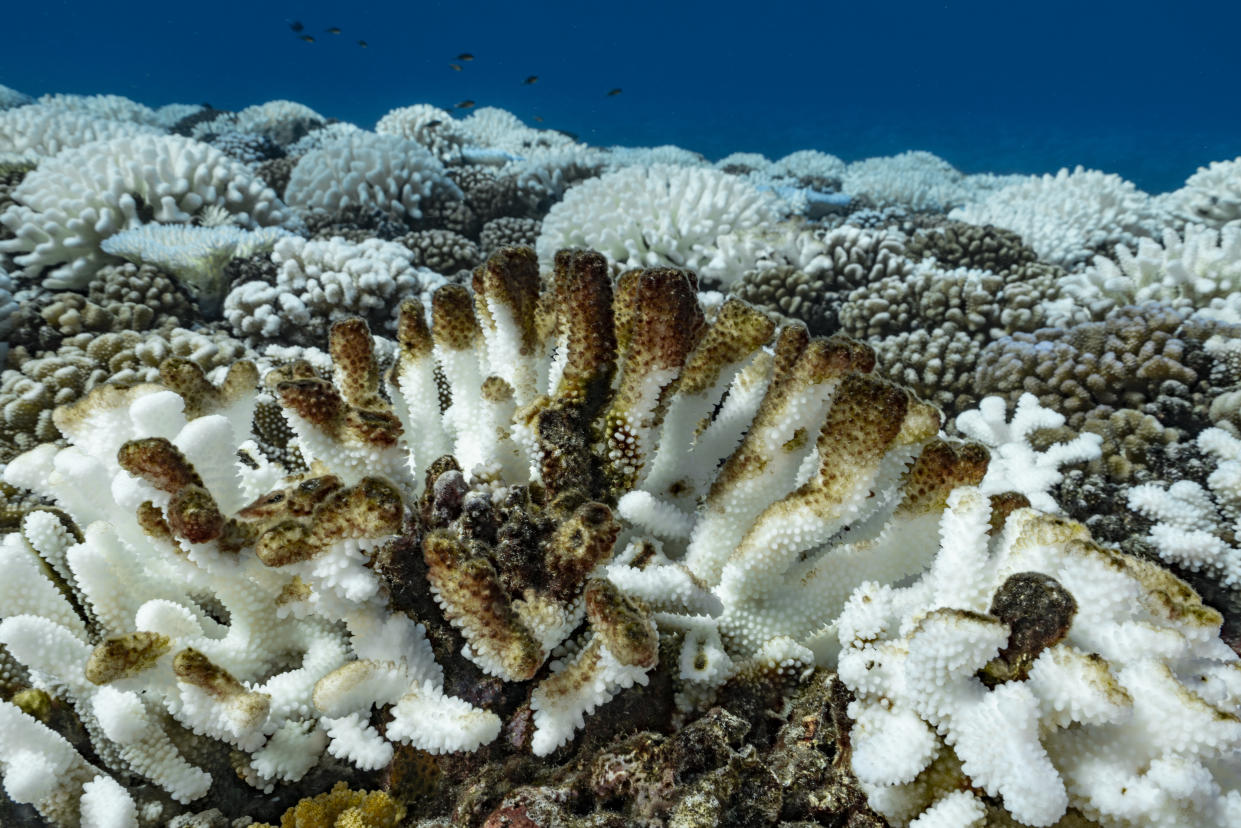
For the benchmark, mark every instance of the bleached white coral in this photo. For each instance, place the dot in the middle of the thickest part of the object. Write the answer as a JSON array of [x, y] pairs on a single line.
[[811, 164], [1197, 527], [1198, 270], [106, 107], [7, 307], [282, 121], [322, 137], [742, 162], [75, 200], [386, 172], [918, 180], [168, 115], [1049, 673], [10, 97], [659, 215], [495, 128], [1212, 195], [1070, 216], [195, 255], [1016, 466], [252, 680], [321, 282], [42, 130], [618, 157], [430, 126]]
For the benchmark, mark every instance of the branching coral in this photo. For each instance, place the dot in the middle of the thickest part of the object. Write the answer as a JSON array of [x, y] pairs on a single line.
[[562, 487], [660, 215], [1198, 270], [1071, 216], [317, 283], [1198, 528], [385, 172], [46, 130], [1046, 672], [1212, 195], [75, 200]]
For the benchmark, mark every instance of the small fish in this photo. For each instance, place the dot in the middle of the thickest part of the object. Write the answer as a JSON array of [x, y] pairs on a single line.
[[362, 43], [537, 118], [332, 30], [530, 80], [464, 105], [434, 123], [296, 25], [307, 38], [614, 92], [465, 56], [454, 67]]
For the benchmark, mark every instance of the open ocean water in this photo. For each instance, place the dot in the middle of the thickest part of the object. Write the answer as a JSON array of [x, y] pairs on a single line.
[[1146, 89]]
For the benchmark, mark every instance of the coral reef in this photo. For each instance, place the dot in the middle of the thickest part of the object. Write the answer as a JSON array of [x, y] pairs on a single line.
[[763, 514]]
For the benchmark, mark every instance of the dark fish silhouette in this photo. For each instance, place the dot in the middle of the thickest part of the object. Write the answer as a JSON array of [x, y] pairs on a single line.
[[464, 105], [332, 30], [454, 67], [296, 26], [537, 118], [362, 43], [307, 38], [530, 80], [613, 93], [465, 56], [434, 123]]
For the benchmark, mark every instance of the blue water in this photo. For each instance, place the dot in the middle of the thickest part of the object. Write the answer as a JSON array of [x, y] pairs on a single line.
[[1145, 89]]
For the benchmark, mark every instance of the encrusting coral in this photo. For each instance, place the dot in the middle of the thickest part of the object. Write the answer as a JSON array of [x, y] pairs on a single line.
[[562, 489]]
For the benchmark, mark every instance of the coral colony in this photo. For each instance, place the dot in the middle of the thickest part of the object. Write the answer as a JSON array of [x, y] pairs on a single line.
[[626, 489]]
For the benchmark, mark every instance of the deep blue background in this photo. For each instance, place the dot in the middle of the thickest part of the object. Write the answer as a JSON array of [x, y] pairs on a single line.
[[1143, 88]]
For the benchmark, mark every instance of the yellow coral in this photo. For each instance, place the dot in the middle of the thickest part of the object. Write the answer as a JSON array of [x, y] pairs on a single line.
[[343, 808]]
